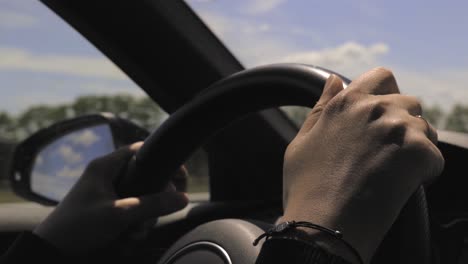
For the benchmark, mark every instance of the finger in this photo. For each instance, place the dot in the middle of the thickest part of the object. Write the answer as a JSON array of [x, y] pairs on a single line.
[[394, 102], [411, 104], [110, 166], [438, 167], [179, 180], [151, 206], [332, 87], [430, 156], [170, 187], [378, 81], [427, 128], [136, 146], [378, 105], [397, 120]]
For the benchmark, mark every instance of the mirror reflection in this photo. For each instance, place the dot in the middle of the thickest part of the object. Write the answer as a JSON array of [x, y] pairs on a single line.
[[60, 164]]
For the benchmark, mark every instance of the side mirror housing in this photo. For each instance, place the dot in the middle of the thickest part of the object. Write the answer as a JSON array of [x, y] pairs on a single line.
[[47, 164]]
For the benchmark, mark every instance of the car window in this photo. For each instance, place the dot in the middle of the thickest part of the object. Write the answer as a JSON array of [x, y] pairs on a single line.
[[421, 43], [49, 72]]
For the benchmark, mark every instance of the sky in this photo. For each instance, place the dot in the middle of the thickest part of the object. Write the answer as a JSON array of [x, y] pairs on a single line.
[[423, 42], [43, 60]]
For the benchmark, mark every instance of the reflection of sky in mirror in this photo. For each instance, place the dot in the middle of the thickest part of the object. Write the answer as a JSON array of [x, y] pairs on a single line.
[[60, 164]]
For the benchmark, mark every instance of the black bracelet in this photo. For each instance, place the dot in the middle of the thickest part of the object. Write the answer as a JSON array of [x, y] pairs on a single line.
[[281, 228]]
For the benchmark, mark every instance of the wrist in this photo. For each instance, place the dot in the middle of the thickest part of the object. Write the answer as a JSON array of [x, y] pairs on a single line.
[[361, 227], [324, 239]]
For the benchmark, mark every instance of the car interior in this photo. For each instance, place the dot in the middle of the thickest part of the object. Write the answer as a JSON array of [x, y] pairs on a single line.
[[230, 112]]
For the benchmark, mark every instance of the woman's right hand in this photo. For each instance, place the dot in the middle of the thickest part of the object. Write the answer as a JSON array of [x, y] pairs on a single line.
[[357, 159]]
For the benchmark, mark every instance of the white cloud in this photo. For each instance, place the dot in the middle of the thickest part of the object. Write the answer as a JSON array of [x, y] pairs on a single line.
[[69, 155], [67, 172], [15, 20], [38, 89], [257, 43], [255, 47], [51, 185], [85, 138], [201, 1], [46, 185], [16, 59], [350, 58], [112, 87], [444, 88], [251, 42], [256, 7]]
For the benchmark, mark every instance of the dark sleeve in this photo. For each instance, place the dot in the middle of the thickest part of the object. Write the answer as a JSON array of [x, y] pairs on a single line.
[[291, 251], [29, 248]]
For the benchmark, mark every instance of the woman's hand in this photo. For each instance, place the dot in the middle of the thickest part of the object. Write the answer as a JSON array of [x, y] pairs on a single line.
[[92, 215], [357, 159]]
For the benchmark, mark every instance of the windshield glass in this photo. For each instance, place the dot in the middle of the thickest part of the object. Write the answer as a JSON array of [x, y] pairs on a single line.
[[49, 72], [422, 42]]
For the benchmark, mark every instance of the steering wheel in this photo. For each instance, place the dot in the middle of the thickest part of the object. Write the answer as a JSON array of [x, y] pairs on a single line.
[[245, 92]]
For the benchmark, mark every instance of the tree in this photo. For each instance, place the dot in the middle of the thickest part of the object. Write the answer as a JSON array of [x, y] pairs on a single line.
[[7, 126], [142, 111], [433, 115], [147, 114], [457, 120], [297, 114]]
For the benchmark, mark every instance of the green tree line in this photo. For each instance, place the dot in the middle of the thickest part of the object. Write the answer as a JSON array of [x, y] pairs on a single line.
[[141, 110], [144, 112]]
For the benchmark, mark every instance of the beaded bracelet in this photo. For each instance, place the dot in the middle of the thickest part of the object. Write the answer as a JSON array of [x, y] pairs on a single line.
[[282, 227]]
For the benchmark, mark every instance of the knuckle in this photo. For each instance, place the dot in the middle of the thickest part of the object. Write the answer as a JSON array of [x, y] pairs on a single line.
[[374, 108], [396, 130], [418, 107], [292, 153], [385, 80], [397, 122], [289, 153], [317, 109], [415, 103], [384, 73], [340, 103], [413, 99], [426, 154], [418, 144]]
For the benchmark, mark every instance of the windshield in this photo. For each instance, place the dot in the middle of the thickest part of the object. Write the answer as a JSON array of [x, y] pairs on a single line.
[[423, 42], [49, 72]]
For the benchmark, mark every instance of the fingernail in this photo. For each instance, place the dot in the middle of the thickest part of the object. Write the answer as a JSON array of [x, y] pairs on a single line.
[[136, 146]]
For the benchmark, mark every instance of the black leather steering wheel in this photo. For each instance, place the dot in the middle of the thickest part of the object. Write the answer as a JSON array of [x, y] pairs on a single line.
[[250, 91]]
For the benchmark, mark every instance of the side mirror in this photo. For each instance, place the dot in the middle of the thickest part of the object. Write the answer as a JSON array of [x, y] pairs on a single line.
[[47, 164]]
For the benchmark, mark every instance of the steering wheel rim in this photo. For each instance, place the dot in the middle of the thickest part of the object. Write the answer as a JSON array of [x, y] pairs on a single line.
[[216, 107], [234, 97]]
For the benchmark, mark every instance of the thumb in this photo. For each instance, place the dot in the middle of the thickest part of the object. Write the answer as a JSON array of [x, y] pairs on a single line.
[[153, 205], [332, 87]]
